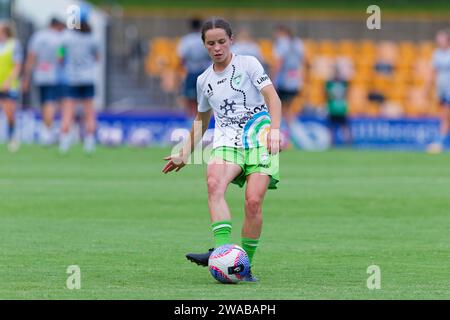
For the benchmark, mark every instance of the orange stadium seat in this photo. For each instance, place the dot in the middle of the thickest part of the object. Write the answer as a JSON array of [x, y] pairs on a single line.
[[310, 48], [297, 103], [373, 109], [326, 48], [422, 66], [357, 97], [397, 93], [266, 48], [381, 83], [346, 47], [426, 49], [315, 95], [417, 103], [404, 46], [162, 56], [366, 48]]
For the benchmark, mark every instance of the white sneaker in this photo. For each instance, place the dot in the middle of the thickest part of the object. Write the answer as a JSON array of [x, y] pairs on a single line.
[[64, 143], [13, 146], [46, 137], [89, 144]]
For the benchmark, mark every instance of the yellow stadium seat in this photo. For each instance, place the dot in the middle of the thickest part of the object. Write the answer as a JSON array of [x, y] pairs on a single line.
[[266, 47], [346, 47], [407, 48], [162, 56], [357, 98], [426, 49], [417, 102], [326, 48], [423, 67], [367, 48], [396, 93], [314, 94], [310, 49]]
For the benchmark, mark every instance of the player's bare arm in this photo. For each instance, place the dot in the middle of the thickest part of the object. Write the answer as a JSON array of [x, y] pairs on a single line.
[[30, 62], [178, 161], [274, 105]]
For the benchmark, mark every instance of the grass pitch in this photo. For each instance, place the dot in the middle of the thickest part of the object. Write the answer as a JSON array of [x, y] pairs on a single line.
[[128, 226]]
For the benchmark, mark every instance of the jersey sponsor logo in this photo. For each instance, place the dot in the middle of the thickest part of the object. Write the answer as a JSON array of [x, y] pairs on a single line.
[[237, 80], [209, 91], [221, 81], [262, 79]]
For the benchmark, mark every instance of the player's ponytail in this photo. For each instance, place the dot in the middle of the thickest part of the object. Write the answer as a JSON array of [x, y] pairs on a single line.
[[216, 22]]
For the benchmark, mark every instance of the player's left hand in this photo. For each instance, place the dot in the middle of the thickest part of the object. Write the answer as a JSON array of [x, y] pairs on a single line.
[[175, 162], [273, 141]]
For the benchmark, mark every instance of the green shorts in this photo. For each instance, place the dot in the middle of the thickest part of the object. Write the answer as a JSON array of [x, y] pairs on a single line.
[[254, 160]]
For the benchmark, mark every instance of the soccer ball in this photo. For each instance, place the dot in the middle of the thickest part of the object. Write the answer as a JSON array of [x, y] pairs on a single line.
[[229, 263]]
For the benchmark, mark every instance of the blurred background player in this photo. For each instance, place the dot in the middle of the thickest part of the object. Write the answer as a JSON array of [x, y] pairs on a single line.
[[80, 56], [441, 76], [195, 60], [336, 90], [43, 63], [244, 44], [287, 73], [11, 59]]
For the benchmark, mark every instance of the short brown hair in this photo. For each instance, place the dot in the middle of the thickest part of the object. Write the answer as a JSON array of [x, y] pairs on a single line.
[[216, 22]]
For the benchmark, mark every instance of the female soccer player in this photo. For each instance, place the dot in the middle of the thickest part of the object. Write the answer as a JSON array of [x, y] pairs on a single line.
[[247, 113], [289, 53], [441, 74], [11, 58], [195, 60], [42, 65], [80, 54]]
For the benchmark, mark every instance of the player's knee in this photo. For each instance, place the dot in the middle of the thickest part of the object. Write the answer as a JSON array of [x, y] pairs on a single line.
[[215, 187], [253, 205]]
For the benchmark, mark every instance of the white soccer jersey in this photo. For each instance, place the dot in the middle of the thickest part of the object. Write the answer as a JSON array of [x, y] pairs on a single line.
[[80, 55], [45, 45], [291, 53], [241, 115], [193, 53]]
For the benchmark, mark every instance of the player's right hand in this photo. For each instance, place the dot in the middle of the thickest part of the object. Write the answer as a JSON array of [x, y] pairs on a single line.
[[175, 162]]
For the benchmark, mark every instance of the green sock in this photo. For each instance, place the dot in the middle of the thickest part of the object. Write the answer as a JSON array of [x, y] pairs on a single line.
[[250, 246], [222, 232]]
